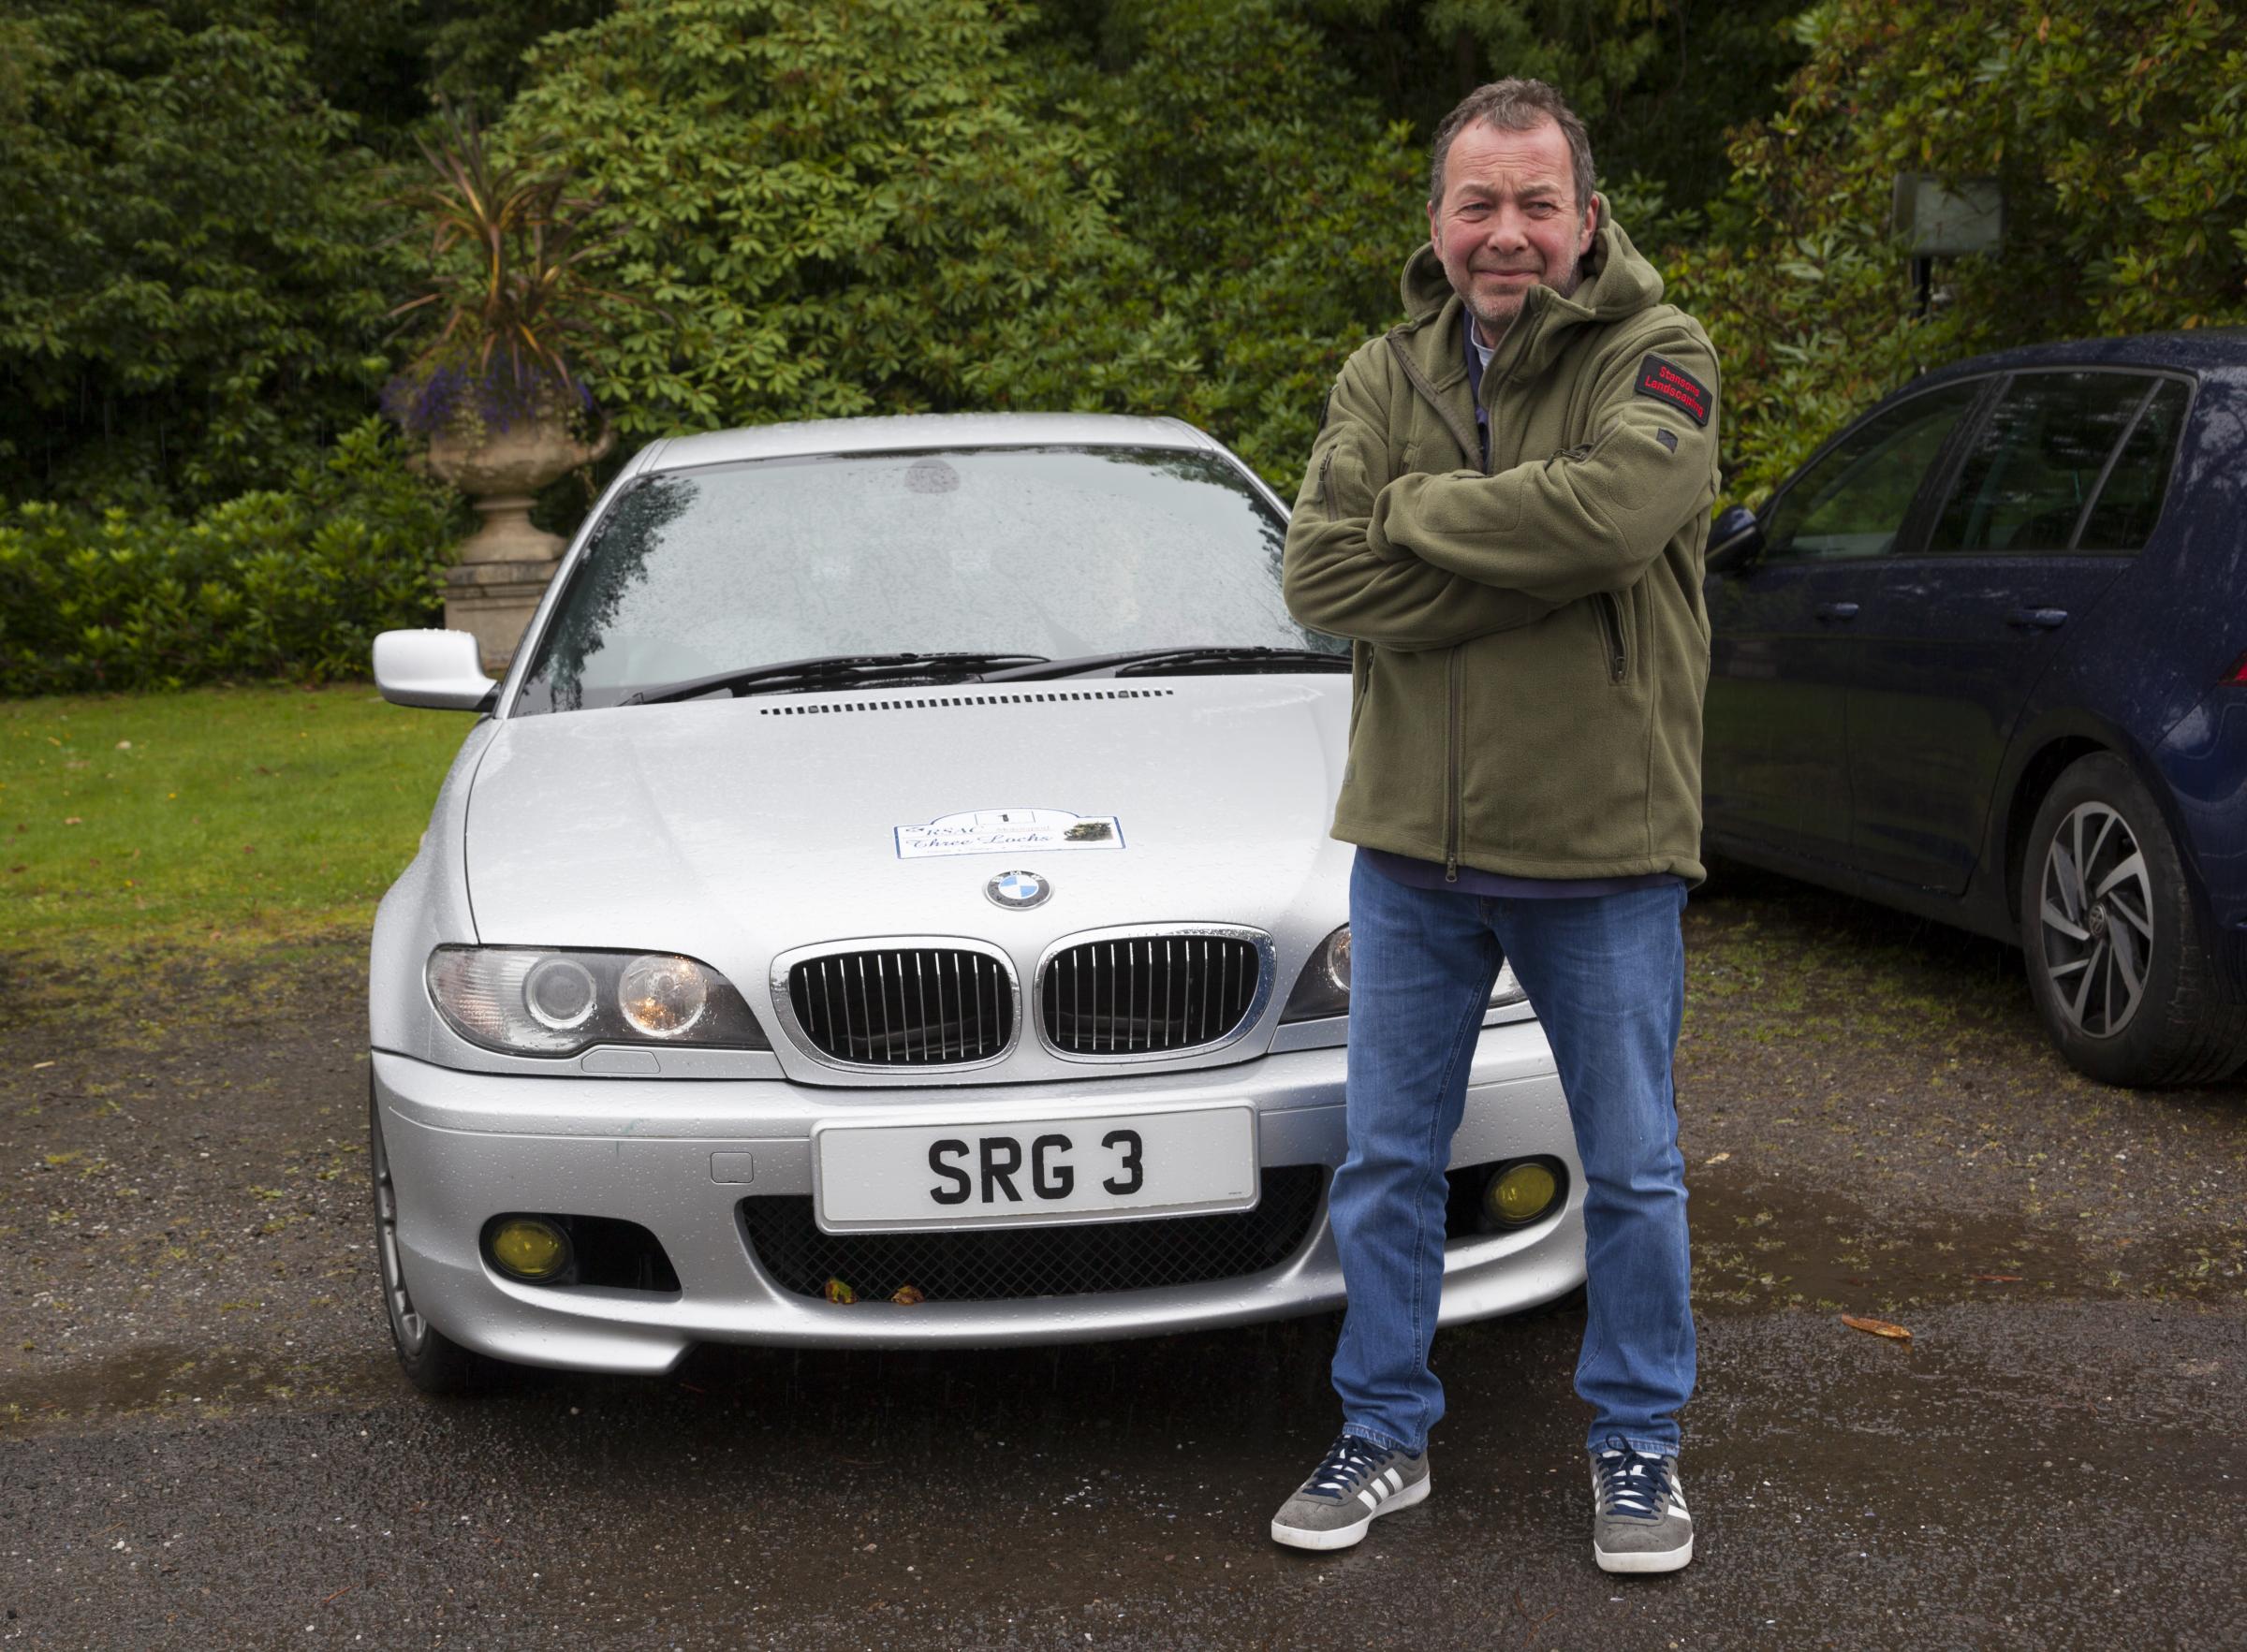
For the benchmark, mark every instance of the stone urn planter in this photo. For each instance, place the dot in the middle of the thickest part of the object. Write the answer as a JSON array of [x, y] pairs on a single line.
[[501, 570]]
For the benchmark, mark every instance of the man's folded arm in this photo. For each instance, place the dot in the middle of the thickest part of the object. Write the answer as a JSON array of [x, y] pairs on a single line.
[[1561, 528], [1336, 580]]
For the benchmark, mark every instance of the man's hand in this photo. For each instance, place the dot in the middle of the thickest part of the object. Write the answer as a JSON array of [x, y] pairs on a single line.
[[1337, 578], [1592, 519]]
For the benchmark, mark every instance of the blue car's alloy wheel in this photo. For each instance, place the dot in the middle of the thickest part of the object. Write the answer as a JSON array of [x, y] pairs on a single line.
[[2097, 920], [2117, 961]]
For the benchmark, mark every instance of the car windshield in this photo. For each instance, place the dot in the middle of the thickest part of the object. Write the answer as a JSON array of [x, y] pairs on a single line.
[[1048, 551]]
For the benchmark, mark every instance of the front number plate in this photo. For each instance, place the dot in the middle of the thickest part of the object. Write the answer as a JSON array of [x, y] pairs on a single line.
[[1011, 1171]]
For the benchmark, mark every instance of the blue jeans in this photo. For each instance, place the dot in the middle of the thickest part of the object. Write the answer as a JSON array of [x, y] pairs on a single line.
[[1606, 976]]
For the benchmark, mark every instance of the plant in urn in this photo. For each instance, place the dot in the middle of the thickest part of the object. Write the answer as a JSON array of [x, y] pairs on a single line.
[[493, 392]]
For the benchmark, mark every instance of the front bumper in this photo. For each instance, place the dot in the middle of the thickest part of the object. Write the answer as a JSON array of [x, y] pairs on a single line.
[[465, 1146]]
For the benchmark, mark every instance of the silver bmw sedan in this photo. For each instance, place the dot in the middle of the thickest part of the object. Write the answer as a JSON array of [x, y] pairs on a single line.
[[889, 900]]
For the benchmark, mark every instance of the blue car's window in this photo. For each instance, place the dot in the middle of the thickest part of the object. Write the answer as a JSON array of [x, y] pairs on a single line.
[[1851, 501], [2128, 505], [1055, 552], [2035, 463]]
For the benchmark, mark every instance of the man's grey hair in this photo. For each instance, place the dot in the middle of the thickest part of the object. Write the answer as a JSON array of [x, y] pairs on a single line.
[[1514, 105]]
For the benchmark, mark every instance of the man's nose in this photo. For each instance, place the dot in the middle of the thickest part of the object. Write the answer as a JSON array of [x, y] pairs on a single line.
[[1508, 230]]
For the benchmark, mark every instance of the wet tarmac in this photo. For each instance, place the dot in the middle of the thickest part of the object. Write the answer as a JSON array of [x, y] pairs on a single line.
[[203, 1441], [2054, 1475]]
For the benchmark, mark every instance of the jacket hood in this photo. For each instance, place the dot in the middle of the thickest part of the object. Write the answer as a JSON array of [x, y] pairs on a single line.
[[1618, 281]]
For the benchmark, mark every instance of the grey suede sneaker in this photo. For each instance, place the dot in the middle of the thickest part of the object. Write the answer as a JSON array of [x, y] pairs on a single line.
[[1639, 1522], [1358, 1482]]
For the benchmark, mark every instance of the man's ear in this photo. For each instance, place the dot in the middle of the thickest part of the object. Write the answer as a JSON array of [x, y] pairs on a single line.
[[1591, 228], [1434, 242]]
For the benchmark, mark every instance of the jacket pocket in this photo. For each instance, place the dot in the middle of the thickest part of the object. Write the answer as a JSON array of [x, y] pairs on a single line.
[[1614, 639]]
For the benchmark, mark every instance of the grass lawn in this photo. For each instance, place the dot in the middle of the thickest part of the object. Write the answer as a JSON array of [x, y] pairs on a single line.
[[225, 815]]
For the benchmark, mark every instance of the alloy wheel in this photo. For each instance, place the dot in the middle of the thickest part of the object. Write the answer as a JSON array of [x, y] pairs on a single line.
[[410, 1327], [2097, 920]]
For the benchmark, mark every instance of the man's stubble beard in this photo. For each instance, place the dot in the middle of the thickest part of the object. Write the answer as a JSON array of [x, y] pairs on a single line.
[[1494, 325]]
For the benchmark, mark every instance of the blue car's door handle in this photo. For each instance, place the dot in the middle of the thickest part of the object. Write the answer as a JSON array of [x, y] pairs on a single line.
[[2037, 619], [1836, 610]]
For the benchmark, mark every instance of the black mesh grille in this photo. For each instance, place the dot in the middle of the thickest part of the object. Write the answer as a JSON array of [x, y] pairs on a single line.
[[905, 1006], [1000, 1264], [1151, 992]]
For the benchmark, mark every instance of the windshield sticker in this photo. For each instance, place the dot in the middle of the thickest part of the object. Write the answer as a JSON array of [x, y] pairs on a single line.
[[1002, 831]]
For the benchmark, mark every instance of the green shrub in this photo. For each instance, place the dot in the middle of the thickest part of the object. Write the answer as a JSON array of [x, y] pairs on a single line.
[[290, 584], [195, 256], [830, 209], [1268, 210], [2118, 130]]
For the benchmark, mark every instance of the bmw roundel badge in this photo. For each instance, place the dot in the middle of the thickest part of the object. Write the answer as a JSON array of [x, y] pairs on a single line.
[[1018, 891]]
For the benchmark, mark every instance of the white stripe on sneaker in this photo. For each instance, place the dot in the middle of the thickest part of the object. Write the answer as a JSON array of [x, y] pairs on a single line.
[[1370, 1501], [1396, 1481]]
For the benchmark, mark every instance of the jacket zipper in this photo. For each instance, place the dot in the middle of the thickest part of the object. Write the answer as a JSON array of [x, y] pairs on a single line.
[[1468, 442], [1611, 626], [1452, 738], [1326, 474]]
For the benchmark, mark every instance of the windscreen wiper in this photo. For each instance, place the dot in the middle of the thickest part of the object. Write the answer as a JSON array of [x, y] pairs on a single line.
[[1148, 662], [831, 671]]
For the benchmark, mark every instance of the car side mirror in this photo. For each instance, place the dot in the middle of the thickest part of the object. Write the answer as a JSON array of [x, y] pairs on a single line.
[[1735, 540], [437, 669]]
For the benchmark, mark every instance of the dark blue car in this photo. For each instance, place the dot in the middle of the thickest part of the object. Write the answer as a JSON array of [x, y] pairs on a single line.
[[1981, 659]]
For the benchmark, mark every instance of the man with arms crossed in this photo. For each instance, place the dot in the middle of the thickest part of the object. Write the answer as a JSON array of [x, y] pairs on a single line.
[[1506, 510]]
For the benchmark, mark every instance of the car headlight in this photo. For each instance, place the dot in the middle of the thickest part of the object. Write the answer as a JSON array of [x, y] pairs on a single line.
[[1323, 989], [543, 1002]]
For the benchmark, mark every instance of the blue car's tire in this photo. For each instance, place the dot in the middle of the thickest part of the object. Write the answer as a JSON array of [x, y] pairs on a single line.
[[2116, 960]]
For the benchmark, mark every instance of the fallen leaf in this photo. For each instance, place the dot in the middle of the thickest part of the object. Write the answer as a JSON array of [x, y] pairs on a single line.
[[124, 745], [838, 1291], [906, 1296], [1997, 1279], [1718, 1159], [1876, 1327], [72, 820]]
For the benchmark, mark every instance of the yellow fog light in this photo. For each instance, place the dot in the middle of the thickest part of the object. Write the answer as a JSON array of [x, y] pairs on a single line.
[[1519, 1192], [529, 1247]]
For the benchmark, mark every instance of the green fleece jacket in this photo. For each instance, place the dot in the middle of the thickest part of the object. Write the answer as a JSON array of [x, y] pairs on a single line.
[[1531, 643]]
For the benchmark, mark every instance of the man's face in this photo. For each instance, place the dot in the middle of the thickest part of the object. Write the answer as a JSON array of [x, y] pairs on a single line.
[[1509, 220]]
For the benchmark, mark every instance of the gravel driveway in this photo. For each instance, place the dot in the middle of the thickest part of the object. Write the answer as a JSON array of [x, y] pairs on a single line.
[[203, 1440]]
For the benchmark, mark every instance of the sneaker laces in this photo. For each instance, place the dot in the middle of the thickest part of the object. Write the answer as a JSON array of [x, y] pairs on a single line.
[[1633, 1486], [1348, 1463]]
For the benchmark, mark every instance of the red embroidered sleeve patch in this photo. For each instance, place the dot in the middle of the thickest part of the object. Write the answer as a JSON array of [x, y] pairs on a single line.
[[1668, 383]]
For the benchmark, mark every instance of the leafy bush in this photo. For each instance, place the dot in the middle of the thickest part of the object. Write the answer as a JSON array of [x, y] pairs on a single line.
[[894, 208], [2118, 130], [293, 583], [193, 273], [839, 208], [1267, 209]]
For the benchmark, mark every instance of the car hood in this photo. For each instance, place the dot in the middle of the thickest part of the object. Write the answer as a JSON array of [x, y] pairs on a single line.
[[734, 830]]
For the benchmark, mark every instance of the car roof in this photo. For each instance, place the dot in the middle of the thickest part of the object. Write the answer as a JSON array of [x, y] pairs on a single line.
[[2202, 351], [904, 432]]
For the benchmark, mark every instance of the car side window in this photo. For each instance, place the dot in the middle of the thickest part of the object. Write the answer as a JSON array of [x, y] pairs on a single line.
[[2035, 463], [2129, 503], [1851, 501]]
